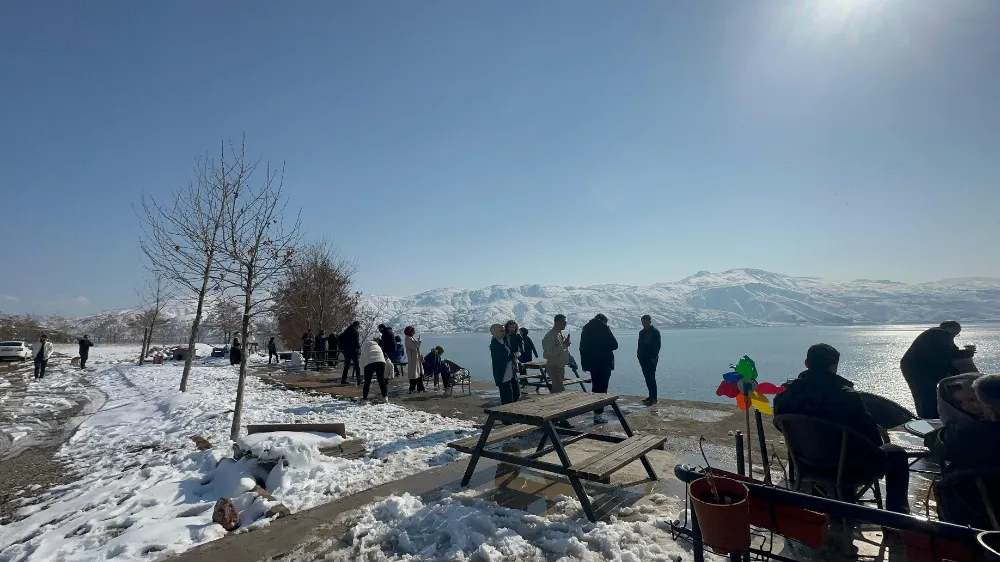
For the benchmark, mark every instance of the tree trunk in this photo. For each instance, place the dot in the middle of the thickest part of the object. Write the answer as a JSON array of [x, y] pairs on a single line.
[[234, 433], [142, 350], [194, 328]]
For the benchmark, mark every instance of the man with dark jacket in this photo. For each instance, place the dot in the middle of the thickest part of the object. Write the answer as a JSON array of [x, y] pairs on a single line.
[[820, 392], [350, 344], [320, 348], [597, 356], [931, 358], [85, 345], [331, 350], [272, 351], [649, 355], [386, 340], [307, 343]]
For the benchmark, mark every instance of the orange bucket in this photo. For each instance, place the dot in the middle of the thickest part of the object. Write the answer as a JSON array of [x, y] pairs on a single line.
[[725, 527]]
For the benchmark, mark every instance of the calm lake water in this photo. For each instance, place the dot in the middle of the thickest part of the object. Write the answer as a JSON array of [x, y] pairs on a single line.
[[692, 361]]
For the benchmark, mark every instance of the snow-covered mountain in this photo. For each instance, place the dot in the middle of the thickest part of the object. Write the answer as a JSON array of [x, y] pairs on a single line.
[[738, 297]]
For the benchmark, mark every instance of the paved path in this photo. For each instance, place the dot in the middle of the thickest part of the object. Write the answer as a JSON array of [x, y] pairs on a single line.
[[36, 418]]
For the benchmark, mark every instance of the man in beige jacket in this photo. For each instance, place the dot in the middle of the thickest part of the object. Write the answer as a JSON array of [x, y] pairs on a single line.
[[555, 350]]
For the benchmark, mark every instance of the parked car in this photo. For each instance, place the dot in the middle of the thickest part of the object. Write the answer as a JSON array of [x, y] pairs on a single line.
[[14, 351]]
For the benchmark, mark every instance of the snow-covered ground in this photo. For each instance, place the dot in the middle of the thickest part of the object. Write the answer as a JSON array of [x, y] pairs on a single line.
[[461, 526], [144, 491]]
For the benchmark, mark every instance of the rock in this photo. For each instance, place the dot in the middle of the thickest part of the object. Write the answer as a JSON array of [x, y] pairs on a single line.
[[201, 443], [277, 509], [225, 514]]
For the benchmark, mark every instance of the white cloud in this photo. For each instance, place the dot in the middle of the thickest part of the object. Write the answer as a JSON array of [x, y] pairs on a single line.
[[81, 300], [9, 298]]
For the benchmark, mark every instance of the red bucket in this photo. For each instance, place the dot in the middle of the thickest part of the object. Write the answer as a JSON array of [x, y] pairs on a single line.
[[724, 526]]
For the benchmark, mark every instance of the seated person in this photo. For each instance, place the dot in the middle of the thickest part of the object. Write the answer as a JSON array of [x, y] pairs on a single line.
[[821, 393], [434, 365], [969, 441]]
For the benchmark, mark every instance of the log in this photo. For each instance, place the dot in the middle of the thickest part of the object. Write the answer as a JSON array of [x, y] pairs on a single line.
[[350, 449], [338, 428]]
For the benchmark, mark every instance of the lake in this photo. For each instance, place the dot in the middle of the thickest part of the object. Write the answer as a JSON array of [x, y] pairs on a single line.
[[693, 360]]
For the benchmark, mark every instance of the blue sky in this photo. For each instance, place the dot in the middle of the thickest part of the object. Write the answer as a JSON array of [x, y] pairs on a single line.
[[456, 143]]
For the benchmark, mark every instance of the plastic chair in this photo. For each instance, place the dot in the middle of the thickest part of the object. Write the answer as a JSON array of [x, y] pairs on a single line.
[[968, 497], [831, 460]]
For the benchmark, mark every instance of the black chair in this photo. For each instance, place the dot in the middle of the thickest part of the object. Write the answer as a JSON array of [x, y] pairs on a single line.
[[831, 460], [885, 412], [969, 497]]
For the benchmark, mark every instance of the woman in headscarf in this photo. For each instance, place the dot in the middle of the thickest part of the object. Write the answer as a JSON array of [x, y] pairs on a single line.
[[235, 353], [415, 363], [504, 366]]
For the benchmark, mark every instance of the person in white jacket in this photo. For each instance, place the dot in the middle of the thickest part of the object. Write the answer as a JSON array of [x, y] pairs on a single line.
[[374, 362], [42, 352]]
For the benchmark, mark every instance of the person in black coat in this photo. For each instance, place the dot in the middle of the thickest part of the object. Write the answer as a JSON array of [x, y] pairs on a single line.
[[85, 345], [307, 348], [350, 344], [931, 358], [235, 352], [504, 361], [821, 393], [332, 348], [648, 353], [272, 351], [386, 340], [597, 356], [320, 348]]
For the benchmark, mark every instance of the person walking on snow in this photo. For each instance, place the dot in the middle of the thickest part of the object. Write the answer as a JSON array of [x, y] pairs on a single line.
[[85, 345], [350, 345], [235, 352], [597, 356], [374, 366], [42, 354], [272, 351], [648, 353]]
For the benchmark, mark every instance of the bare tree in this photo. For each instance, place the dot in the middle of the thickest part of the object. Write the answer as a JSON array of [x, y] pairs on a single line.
[[259, 249], [154, 297], [225, 318], [315, 292], [183, 237], [371, 312]]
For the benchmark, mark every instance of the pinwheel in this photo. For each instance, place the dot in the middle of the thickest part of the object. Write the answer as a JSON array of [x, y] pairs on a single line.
[[741, 383]]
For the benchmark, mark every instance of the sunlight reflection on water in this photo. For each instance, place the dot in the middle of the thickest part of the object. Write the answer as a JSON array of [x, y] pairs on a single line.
[[693, 361]]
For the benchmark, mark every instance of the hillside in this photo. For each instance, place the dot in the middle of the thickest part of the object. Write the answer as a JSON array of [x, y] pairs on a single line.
[[734, 298]]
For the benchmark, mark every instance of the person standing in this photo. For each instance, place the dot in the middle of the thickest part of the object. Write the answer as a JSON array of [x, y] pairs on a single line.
[[85, 345], [386, 340], [597, 356], [42, 355], [931, 358], [530, 353], [648, 353], [398, 356], [504, 361], [350, 345], [332, 352], [307, 348], [374, 365], [512, 337], [235, 352], [272, 351], [555, 350], [320, 348], [414, 363]]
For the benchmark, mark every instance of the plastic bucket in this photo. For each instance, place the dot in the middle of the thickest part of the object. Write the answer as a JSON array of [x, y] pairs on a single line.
[[724, 527]]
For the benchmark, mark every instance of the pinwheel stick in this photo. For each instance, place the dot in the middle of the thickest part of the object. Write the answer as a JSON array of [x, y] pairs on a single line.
[[749, 447]]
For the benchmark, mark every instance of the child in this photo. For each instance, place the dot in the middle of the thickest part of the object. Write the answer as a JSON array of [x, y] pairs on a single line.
[[397, 357]]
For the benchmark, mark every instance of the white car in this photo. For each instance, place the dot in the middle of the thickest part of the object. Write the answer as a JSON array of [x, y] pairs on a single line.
[[14, 351]]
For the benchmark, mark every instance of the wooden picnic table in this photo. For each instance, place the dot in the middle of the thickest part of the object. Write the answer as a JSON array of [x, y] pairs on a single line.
[[542, 377], [541, 414]]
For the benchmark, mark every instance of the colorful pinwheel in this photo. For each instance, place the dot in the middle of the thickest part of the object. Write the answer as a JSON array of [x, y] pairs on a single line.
[[742, 385]]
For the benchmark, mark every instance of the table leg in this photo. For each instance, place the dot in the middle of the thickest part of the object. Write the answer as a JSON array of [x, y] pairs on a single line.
[[479, 449], [628, 431], [541, 444], [581, 493], [544, 380]]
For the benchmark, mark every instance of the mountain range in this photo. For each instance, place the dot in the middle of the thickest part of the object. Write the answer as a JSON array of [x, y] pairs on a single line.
[[734, 298]]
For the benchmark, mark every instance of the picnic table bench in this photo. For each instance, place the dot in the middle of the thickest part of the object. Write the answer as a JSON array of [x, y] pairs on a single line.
[[541, 414], [542, 377]]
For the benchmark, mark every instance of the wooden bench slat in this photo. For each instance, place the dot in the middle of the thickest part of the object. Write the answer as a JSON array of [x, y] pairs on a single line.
[[498, 433], [575, 381], [601, 465]]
